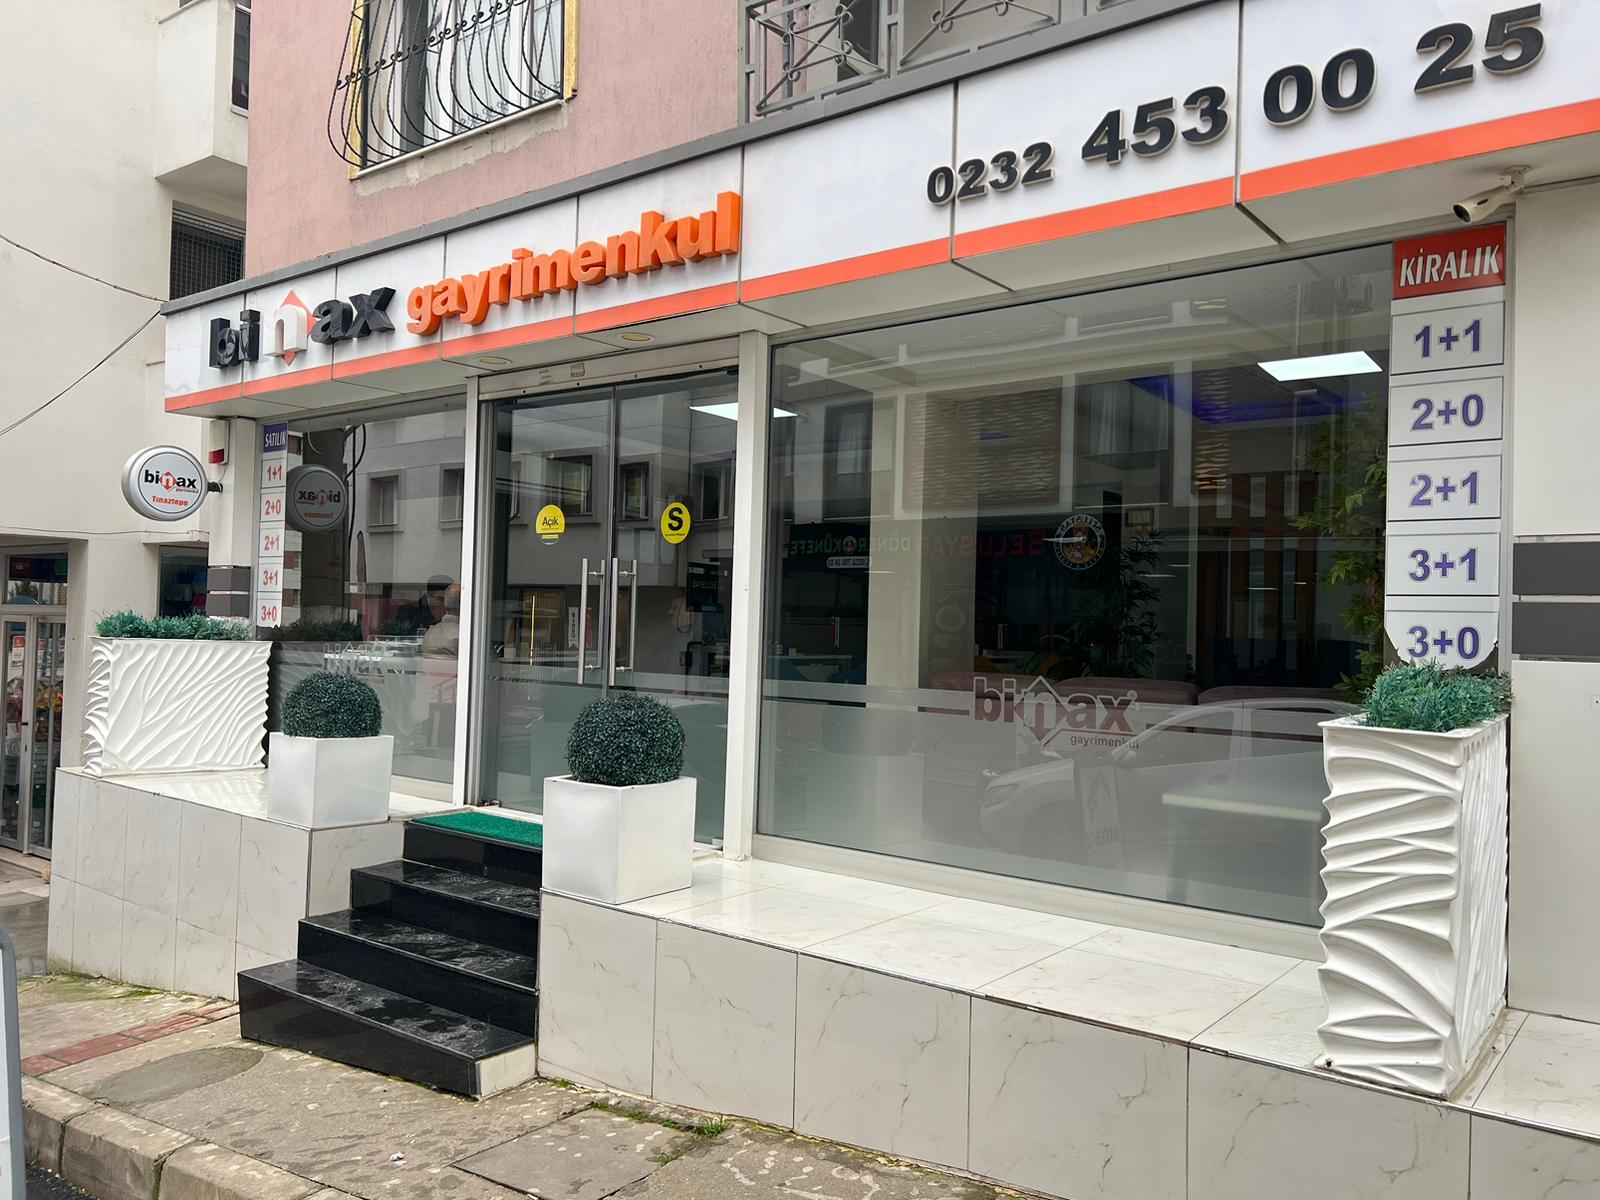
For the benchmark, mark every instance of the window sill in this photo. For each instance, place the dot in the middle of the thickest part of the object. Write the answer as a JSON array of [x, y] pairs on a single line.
[[454, 140]]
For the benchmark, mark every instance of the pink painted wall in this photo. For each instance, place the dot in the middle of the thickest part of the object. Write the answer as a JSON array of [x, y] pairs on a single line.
[[651, 74]]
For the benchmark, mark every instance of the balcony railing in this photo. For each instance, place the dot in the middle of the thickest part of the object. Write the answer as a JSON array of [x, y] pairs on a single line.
[[797, 50], [421, 71]]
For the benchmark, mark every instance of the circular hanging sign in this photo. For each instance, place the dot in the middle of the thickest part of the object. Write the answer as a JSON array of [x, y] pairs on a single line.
[[1080, 540], [675, 522], [550, 524], [315, 499], [164, 483]]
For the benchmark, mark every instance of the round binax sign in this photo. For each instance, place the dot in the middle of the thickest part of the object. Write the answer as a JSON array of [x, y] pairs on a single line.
[[314, 499], [164, 483]]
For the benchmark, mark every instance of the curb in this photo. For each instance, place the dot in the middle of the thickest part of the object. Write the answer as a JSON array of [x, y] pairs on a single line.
[[113, 1155]]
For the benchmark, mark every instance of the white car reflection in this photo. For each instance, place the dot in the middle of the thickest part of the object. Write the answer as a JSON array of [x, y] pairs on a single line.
[[1048, 810]]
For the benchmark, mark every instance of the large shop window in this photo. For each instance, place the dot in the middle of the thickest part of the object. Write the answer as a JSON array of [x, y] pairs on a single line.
[[379, 596], [1062, 591]]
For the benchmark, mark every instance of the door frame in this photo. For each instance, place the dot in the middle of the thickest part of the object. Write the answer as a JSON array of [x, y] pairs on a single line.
[[32, 616], [750, 370]]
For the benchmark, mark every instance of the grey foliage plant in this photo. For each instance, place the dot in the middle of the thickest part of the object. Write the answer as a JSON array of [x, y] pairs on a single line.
[[624, 740], [1432, 699], [325, 705]]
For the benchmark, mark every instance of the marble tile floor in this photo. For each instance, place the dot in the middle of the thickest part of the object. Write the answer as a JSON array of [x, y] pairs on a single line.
[[1245, 1004], [245, 792]]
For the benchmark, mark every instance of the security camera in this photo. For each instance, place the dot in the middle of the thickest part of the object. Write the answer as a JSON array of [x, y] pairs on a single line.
[[1479, 208]]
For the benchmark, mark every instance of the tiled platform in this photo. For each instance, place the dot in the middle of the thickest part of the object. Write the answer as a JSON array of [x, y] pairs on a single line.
[[1062, 1056]]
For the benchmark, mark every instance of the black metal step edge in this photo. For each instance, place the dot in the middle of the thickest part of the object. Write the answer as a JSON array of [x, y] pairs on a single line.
[[376, 872], [408, 902], [474, 855]]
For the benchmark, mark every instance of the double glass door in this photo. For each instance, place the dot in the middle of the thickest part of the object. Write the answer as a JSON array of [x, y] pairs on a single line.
[[611, 560], [34, 671]]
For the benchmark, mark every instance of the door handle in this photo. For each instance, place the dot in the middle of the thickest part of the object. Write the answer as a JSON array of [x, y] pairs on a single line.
[[583, 615], [633, 615]]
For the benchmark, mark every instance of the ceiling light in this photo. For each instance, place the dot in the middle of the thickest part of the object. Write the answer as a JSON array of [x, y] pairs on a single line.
[[730, 410], [1321, 366], [636, 337], [490, 360]]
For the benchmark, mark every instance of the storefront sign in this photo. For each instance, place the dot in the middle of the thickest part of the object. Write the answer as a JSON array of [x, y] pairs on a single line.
[[1446, 421], [292, 323], [1077, 720], [550, 524], [657, 243], [316, 499], [272, 525], [675, 522], [164, 483]]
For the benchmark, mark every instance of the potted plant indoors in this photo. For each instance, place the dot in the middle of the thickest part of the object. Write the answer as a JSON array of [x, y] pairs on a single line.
[[621, 826], [1414, 863], [173, 694], [332, 762]]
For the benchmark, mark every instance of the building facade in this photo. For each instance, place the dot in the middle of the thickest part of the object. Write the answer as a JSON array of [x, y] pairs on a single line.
[[134, 194], [1002, 438]]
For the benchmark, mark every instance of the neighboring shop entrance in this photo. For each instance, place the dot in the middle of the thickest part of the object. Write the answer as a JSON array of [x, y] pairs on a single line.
[[610, 568], [34, 670]]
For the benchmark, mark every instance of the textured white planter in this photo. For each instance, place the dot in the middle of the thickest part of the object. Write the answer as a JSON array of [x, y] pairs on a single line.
[[1414, 924], [163, 706], [317, 783], [616, 844]]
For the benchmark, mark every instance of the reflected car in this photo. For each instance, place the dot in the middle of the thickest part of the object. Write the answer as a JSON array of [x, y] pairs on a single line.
[[1043, 811]]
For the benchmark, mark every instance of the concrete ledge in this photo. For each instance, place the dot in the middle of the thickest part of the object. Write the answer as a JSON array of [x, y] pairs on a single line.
[[46, 1109], [115, 1156], [206, 1172]]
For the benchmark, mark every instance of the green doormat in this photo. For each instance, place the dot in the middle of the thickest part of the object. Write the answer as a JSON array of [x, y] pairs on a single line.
[[485, 824]]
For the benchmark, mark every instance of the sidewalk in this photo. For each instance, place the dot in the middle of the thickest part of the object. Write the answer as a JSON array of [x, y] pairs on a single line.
[[133, 1093]]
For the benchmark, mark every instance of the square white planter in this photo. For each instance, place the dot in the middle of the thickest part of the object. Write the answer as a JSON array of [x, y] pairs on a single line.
[[154, 705], [617, 844], [1414, 924], [317, 783]]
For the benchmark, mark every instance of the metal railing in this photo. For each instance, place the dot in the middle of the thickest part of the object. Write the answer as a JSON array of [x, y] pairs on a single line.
[[797, 50], [417, 72]]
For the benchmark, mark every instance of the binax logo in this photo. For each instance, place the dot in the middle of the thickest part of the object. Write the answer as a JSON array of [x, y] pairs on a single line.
[[1082, 718]]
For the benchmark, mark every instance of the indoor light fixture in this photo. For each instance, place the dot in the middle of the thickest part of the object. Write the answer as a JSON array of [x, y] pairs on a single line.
[[1321, 366], [491, 360], [636, 337], [730, 410]]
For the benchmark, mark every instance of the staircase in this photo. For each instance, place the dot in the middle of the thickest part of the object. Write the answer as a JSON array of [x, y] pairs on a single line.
[[431, 974]]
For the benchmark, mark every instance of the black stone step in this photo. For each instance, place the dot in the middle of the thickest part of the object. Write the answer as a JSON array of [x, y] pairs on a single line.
[[488, 983], [474, 854], [467, 906], [322, 1012]]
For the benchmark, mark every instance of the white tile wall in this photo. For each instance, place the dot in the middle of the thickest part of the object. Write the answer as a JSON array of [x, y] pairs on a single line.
[[1513, 1162], [274, 861], [64, 825], [149, 947], [151, 870], [58, 936], [335, 852], [208, 870], [205, 963], [724, 1024], [103, 847], [96, 933]]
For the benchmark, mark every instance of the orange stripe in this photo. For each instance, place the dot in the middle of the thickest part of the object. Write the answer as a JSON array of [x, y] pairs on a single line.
[[386, 361], [1487, 137], [232, 391], [849, 270], [1198, 197], [294, 379], [662, 306], [499, 339]]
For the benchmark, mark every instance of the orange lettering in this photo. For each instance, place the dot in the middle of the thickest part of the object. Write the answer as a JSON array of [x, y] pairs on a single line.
[[622, 254], [476, 288], [658, 241], [697, 236], [500, 284], [589, 263], [554, 272], [730, 222], [420, 305]]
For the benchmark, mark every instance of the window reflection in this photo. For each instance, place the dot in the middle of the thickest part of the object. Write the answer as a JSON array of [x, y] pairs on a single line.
[[1063, 591]]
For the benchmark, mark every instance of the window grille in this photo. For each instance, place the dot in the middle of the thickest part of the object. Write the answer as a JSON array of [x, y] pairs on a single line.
[[421, 71], [206, 253]]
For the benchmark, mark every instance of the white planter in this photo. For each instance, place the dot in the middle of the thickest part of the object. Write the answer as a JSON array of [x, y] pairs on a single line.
[[617, 844], [163, 706], [1414, 924], [321, 782]]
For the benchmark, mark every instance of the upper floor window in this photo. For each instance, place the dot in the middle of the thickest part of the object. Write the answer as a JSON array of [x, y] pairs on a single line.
[[206, 253], [423, 71]]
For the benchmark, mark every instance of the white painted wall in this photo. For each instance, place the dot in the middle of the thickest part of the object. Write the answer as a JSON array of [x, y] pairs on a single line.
[[1555, 726], [79, 186]]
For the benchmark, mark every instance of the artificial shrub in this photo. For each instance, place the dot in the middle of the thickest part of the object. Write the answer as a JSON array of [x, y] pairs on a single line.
[[625, 740], [195, 627], [1432, 699], [325, 705]]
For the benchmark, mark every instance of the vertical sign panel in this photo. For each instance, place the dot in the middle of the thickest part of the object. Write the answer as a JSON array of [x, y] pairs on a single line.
[[271, 525]]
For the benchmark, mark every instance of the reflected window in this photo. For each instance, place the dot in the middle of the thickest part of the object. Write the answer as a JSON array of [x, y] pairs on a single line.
[[1063, 590]]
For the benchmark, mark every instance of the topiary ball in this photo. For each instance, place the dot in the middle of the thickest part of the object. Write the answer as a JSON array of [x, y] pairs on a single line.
[[624, 740], [332, 706]]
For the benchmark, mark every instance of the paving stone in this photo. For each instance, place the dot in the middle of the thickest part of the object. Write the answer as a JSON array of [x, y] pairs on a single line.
[[758, 1164], [206, 1172], [63, 1010], [115, 1155], [46, 1109], [584, 1157], [93, 1048], [166, 1028], [86, 1077], [167, 1077], [40, 1064]]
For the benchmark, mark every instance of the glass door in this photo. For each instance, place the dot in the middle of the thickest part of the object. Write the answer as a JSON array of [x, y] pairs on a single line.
[[611, 569], [33, 672]]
